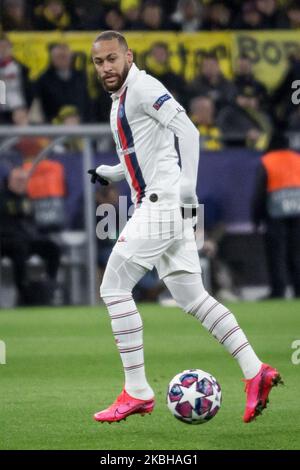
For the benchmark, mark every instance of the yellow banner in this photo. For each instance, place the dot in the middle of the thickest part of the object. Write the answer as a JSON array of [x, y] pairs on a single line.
[[195, 46], [31, 49], [268, 51], [186, 50]]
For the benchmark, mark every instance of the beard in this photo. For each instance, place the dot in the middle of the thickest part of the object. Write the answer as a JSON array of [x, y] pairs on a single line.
[[119, 79]]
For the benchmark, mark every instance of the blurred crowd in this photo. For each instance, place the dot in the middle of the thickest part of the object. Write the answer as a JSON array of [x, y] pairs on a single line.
[[227, 112], [148, 15]]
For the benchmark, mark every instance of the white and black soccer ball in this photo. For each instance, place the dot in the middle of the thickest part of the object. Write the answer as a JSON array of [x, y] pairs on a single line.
[[194, 396]]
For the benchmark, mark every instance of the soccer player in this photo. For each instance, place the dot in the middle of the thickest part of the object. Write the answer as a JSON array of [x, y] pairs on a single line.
[[144, 120]]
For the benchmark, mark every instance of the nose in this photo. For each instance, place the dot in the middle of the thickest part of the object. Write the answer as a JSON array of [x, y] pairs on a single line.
[[107, 67]]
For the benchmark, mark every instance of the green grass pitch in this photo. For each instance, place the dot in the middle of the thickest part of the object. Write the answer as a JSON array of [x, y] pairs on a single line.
[[62, 366]]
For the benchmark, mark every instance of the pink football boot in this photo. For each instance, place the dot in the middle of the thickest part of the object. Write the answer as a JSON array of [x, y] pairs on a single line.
[[124, 406], [258, 389]]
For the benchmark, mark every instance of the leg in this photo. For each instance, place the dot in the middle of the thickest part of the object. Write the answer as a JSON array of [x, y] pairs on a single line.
[[188, 291], [116, 290], [120, 277], [127, 264]]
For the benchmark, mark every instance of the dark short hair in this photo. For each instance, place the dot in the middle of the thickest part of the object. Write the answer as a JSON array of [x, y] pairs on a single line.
[[109, 35]]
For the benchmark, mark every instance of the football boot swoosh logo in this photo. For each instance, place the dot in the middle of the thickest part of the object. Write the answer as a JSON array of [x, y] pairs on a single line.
[[124, 408]]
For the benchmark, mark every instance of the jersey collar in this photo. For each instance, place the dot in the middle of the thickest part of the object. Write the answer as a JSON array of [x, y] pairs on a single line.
[[133, 71]]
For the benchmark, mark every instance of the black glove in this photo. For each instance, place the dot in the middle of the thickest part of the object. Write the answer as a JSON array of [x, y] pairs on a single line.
[[95, 177]]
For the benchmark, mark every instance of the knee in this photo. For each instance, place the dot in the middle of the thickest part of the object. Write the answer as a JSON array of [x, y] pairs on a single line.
[[108, 289], [187, 290], [119, 278]]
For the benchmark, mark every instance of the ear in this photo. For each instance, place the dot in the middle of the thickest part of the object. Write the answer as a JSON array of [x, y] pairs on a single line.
[[129, 55]]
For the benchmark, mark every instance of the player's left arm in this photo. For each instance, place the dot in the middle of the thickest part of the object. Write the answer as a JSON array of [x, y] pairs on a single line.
[[189, 149], [158, 103]]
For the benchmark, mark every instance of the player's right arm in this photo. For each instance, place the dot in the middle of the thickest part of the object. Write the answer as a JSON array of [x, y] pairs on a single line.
[[105, 174], [112, 174]]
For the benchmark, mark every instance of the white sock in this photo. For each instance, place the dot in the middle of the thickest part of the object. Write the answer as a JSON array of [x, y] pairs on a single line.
[[127, 328], [221, 323]]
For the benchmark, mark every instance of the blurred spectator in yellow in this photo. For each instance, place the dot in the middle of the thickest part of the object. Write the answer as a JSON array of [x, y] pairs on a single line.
[[126, 4], [244, 122], [202, 112], [15, 17], [244, 77], [158, 64], [211, 82], [61, 84], [131, 12], [69, 116], [15, 77], [52, 15]]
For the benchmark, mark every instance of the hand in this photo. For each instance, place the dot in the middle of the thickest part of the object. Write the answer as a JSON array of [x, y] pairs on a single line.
[[95, 177]]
